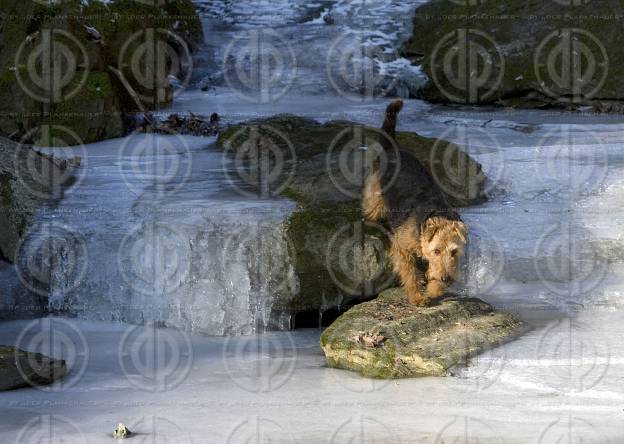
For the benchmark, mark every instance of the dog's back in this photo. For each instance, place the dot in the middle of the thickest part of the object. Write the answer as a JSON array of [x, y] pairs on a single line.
[[404, 188], [408, 189]]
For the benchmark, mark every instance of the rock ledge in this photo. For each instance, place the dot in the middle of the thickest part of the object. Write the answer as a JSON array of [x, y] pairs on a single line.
[[19, 368], [390, 338]]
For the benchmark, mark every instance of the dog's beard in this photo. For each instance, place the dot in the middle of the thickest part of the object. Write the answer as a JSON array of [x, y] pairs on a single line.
[[436, 288]]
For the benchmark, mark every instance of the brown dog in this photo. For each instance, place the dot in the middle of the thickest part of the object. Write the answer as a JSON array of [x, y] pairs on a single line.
[[428, 238]]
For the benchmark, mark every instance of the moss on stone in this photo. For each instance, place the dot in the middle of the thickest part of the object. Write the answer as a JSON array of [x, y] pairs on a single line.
[[97, 111], [20, 368], [91, 114], [310, 228], [517, 28], [390, 338]]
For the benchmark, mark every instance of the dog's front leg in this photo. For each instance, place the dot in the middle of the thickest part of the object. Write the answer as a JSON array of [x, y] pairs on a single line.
[[403, 255], [415, 293]]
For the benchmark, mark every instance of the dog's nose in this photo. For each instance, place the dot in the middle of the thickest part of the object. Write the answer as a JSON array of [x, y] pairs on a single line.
[[446, 279]]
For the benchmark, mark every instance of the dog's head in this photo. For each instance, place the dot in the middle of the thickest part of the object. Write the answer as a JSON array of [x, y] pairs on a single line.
[[442, 241]]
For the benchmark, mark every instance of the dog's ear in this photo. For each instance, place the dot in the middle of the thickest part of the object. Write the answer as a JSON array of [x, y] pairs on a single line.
[[429, 229], [462, 231]]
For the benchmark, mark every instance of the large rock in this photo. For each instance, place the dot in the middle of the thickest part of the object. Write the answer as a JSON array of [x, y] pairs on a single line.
[[93, 103], [19, 368], [390, 338], [337, 258], [553, 54], [29, 180]]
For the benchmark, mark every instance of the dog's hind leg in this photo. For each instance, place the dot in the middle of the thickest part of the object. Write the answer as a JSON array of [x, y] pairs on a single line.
[[404, 252], [374, 206]]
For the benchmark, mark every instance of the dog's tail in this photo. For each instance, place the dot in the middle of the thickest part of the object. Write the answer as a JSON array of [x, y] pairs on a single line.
[[388, 136], [374, 207]]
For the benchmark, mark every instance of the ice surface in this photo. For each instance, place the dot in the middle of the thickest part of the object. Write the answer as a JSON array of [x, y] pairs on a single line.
[[286, 47], [168, 236], [559, 383]]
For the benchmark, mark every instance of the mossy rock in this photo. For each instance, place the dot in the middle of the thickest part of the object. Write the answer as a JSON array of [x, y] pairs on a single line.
[[94, 104], [19, 368], [23, 191], [517, 29], [336, 256], [22, 194], [312, 151], [93, 114], [390, 338]]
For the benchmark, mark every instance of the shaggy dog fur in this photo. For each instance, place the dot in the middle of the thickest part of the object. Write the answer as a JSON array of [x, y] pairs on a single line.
[[427, 236]]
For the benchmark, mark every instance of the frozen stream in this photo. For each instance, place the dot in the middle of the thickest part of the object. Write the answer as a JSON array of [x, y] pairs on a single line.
[[548, 245]]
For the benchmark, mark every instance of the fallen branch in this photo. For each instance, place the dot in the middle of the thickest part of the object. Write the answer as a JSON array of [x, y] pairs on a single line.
[[146, 113]]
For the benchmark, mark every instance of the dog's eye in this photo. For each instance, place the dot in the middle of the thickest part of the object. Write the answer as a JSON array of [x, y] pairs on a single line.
[[436, 252], [453, 252]]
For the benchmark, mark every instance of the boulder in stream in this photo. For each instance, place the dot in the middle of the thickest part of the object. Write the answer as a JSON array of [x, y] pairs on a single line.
[[519, 53], [390, 338], [19, 368], [23, 191], [98, 41]]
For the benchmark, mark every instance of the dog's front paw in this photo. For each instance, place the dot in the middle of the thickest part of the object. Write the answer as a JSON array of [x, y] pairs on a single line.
[[417, 298], [436, 289]]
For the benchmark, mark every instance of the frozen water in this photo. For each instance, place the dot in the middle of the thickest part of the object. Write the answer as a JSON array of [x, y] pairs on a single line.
[[559, 383], [169, 237], [284, 46]]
